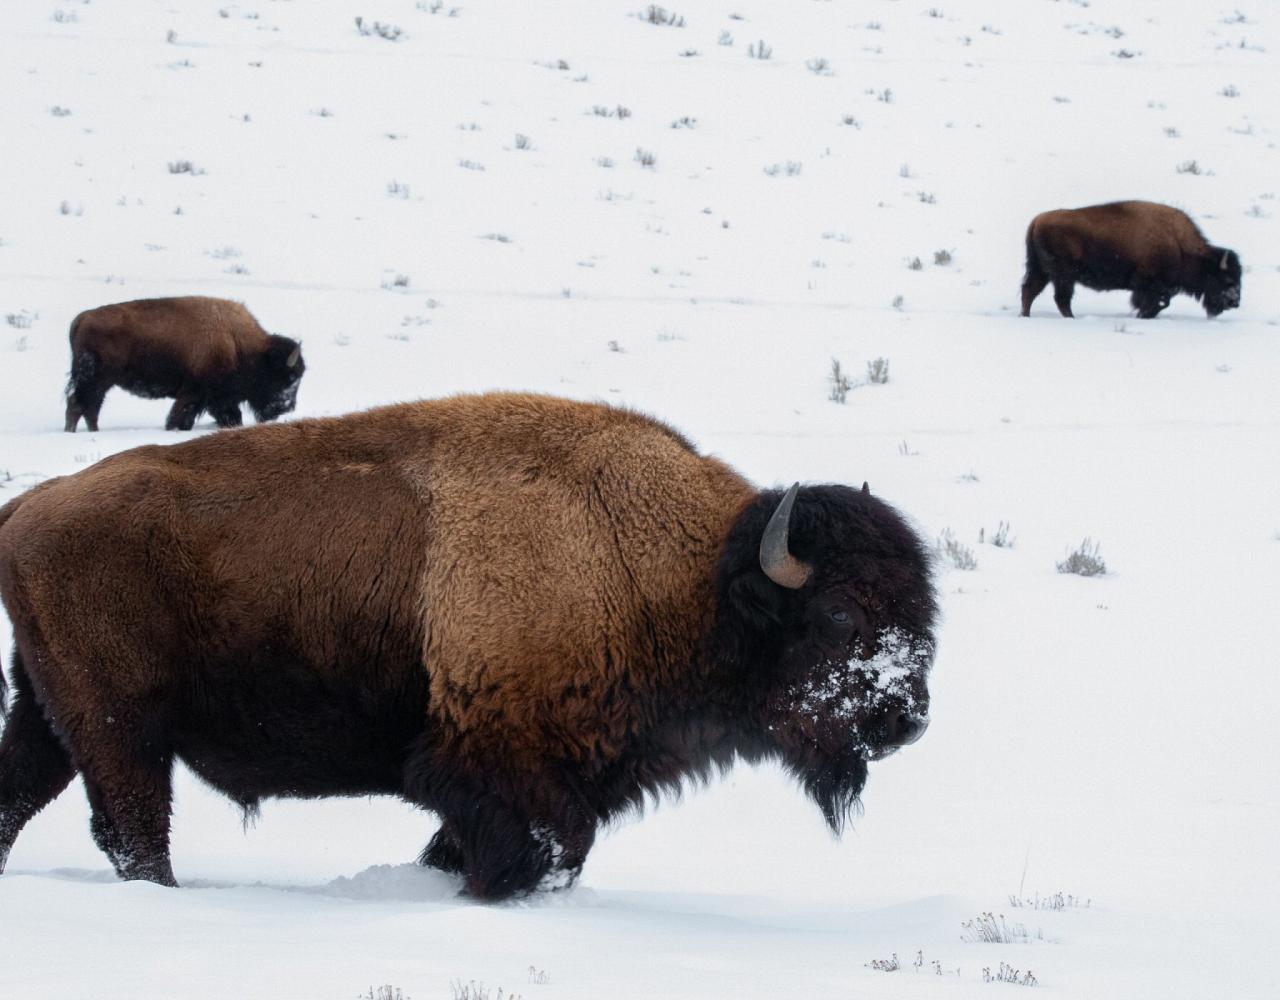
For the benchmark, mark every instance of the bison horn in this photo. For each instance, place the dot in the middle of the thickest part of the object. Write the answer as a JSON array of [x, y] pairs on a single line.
[[294, 356], [776, 560], [1223, 265], [866, 490]]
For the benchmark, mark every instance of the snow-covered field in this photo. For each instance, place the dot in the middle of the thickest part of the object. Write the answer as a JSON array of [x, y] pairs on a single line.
[[1113, 738]]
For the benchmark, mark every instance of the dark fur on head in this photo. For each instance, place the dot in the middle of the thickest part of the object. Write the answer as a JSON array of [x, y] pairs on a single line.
[[815, 706], [273, 389]]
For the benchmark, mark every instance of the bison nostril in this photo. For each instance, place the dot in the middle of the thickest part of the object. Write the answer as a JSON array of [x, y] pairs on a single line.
[[902, 729]]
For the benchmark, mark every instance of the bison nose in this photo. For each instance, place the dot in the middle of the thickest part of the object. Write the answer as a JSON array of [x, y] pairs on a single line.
[[902, 729]]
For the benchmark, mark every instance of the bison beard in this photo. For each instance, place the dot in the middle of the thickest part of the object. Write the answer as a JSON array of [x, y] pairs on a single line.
[[524, 614]]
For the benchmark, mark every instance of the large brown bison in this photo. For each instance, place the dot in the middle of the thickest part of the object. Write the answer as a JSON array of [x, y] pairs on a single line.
[[522, 613], [1152, 250], [205, 354]]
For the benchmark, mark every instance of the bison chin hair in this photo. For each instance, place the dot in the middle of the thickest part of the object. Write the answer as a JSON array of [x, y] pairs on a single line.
[[834, 785]]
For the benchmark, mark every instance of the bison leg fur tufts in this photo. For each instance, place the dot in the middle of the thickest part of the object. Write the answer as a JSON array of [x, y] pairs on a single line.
[[444, 852], [34, 765]]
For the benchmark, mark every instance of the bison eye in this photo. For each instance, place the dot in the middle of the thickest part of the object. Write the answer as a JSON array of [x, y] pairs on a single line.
[[840, 617]]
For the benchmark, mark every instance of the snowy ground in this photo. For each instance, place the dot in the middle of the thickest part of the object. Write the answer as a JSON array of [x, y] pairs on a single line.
[[1112, 738]]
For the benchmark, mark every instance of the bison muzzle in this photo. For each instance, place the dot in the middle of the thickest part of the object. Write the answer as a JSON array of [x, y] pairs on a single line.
[[204, 353], [525, 614], [1152, 250]]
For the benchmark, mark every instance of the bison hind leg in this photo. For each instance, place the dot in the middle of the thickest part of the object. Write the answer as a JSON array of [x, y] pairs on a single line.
[[1032, 284], [182, 415], [34, 765], [86, 390], [1063, 290]]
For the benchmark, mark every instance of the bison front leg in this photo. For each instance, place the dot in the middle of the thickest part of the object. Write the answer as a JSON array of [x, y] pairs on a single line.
[[226, 414], [501, 851], [183, 413], [1149, 301], [34, 766]]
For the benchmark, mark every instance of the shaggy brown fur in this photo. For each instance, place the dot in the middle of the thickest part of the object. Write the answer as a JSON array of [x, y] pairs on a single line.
[[521, 612], [207, 354], [1152, 250]]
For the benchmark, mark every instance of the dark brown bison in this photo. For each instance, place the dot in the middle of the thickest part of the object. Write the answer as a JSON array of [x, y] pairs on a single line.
[[1152, 250], [206, 354], [522, 613]]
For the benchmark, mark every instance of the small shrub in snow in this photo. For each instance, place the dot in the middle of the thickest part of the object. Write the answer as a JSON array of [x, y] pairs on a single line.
[[68, 17], [840, 383], [616, 348], [1125, 54], [661, 17], [820, 66], [899, 303], [471, 165], [607, 163], [890, 964], [1084, 561], [758, 50], [850, 120], [539, 977], [726, 38], [1008, 974], [1172, 132], [1000, 538], [384, 993], [685, 122], [184, 167], [395, 281], [915, 264], [942, 257], [1057, 902], [952, 549], [1189, 167], [926, 197], [878, 371], [478, 991], [990, 928], [497, 237], [59, 112], [20, 320], [646, 158], [688, 53], [522, 141], [1229, 91], [885, 96], [388, 31], [791, 168], [397, 190], [66, 208]]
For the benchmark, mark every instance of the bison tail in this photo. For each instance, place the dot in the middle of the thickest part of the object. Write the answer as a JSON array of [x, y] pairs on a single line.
[[1035, 267], [84, 372]]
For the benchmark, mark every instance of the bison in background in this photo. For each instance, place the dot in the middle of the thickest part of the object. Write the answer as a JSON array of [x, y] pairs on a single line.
[[204, 353], [522, 613], [1152, 250]]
